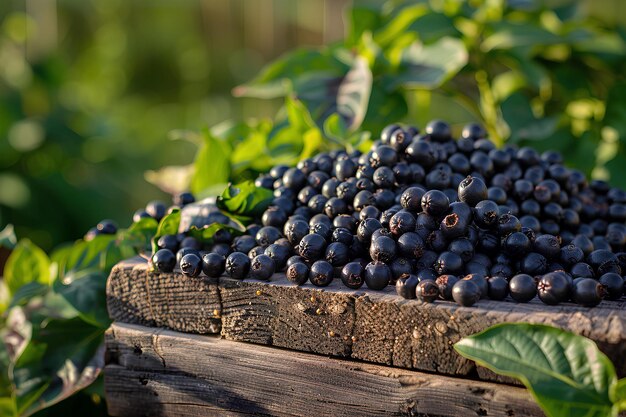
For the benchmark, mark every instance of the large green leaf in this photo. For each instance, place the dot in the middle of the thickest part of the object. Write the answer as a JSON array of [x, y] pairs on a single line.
[[167, 226], [566, 373], [428, 66], [86, 254], [7, 237], [212, 163], [244, 201], [353, 94], [509, 35], [62, 357], [27, 263], [85, 291], [276, 79]]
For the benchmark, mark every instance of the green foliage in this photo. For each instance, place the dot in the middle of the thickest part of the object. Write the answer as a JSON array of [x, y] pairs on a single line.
[[566, 373], [27, 263], [7, 237], [167, 226], [529, 72], [245, 201]]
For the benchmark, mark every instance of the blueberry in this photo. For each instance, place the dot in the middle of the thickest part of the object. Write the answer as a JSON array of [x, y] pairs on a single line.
[[411, 245], [107, 227], [435, 203], [337, 253], [466, 293], [163, 260], [377, 275], [553, 288], [427, 291], [298, 273], [237, 265], [498, 288], [191, 265], [352, 275], [402, 222], [522, 288], [261, 267], [312, 247], [168, 242], [613, 285], [472, 191], [383, 249], [268, 235], [587, 292], [321, 273], [156, 209], [213, 264], [445, 284], [279, 255]]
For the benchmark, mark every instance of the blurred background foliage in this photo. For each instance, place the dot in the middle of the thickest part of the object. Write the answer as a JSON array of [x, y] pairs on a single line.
[[90, 89]]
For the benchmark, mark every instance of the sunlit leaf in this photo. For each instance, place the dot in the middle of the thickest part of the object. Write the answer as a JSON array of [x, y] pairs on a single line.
[[509, 35], [62, 357], [85, 291], [167, 226], [211, 165], [245, 200], [427, 66], [171, 179], [275, 79], [566, 373], [7, 237], [27, 263]]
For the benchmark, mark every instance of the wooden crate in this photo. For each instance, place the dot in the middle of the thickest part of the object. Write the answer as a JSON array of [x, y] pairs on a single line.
[[404, 338]]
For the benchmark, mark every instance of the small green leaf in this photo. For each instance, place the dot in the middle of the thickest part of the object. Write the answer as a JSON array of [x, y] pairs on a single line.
[[27, 263], [211, 165], [428, 66], [7, 237], [168, 226], [85, 291], [566, 373], [401, 20], [245, 200]]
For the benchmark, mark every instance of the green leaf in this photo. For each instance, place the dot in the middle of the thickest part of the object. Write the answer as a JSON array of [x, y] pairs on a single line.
[[523, 124], [335, 128], [433, 26], [139, 233], [27, 263], [167, 226], [7, 407], [245, 200], [275, 79], [509, 35], [211, 165], [428, 66], [384, 106], [359, 20], [564, 372], [7, 237], [62, 357], [27, 292], [85, 291], [353, 94], [205, 234], [172, 179], [618, 395], [402, 19], [87, 254]]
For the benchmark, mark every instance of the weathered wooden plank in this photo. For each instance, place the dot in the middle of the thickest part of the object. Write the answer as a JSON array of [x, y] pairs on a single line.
[[135, 295], [281, 314], [411, 334], [374, 326], [156, 372]]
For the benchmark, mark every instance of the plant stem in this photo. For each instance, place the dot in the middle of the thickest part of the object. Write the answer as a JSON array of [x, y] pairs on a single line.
[[488, 107]]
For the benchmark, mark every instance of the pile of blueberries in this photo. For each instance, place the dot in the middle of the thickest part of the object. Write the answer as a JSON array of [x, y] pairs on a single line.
[[439, 218]]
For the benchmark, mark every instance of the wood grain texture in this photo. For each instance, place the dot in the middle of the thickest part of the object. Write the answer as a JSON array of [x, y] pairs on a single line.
[[373, 326], [156, 372], [135, 295]]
